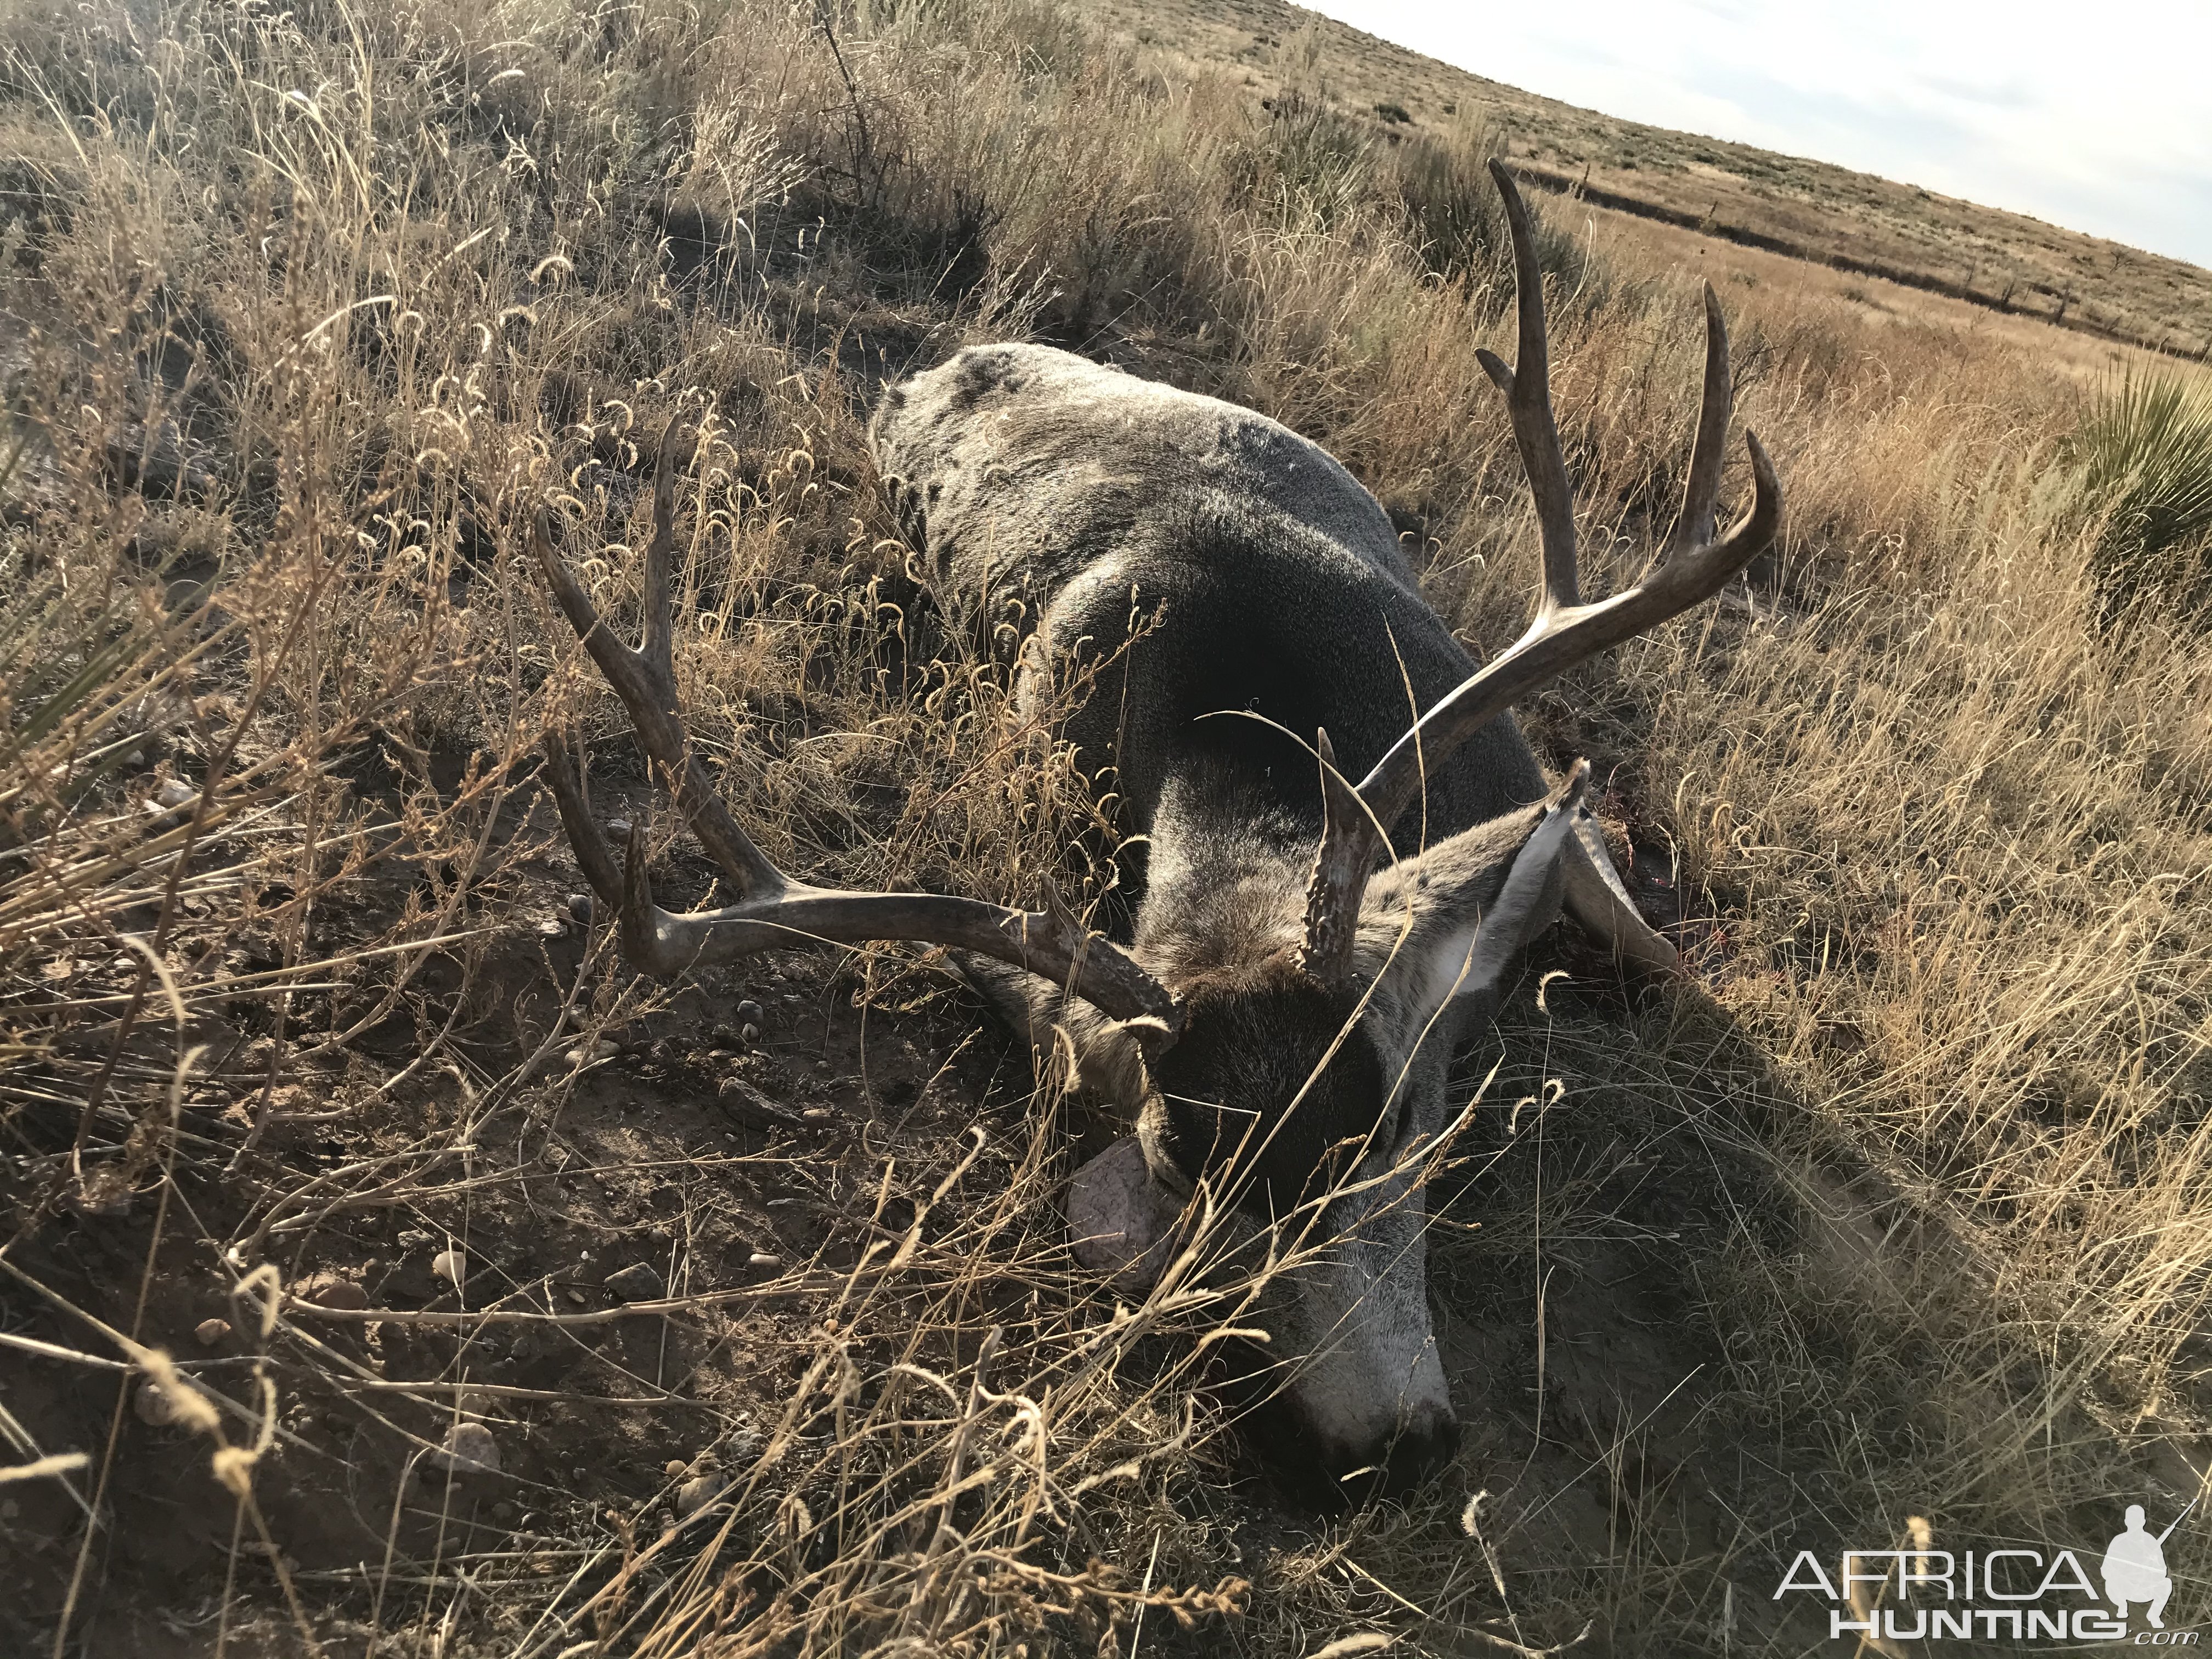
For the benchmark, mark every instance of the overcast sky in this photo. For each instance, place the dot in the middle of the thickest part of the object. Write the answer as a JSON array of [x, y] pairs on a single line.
[[2098, 118]]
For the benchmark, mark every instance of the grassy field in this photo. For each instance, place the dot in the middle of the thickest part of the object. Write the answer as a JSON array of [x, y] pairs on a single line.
[[328, 1115], [1872, 227]]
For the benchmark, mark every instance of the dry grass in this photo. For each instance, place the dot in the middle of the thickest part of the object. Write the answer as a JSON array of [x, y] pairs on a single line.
[[1898, 1209], [2015, 268]]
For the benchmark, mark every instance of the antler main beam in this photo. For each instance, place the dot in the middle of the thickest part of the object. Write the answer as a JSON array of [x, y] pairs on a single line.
[[773, 910], [1565, 630]]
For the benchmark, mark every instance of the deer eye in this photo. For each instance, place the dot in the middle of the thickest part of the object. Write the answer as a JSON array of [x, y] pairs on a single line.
[[1390, 1133]]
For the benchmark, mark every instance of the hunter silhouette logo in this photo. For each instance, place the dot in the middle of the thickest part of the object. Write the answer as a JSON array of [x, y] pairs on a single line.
[[1923, 1593], [2134, 1566]]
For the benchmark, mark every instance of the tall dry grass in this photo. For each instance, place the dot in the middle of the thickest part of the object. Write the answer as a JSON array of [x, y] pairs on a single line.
[[309, 308]]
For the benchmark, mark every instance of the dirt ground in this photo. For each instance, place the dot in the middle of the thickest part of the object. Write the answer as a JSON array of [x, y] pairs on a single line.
[[1573, 1236]]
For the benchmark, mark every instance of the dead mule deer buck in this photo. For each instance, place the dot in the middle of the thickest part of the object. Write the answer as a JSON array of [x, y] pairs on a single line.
[[1305, 953]]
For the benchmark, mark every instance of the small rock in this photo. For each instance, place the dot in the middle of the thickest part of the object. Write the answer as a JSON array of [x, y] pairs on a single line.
[[600, 1050], [103, 1191], [746, 1103], [469, 1450], [743, 1025], [674, 1467], [451, 1266], [502, 1510], [618, 828], [153, 1405], [577, 1296], [637, 1283], [211, 1331], [762, 1261], [552, 927], [475, 1402], [175, 792], [697, 1492], [580, 906], [333, 1291]]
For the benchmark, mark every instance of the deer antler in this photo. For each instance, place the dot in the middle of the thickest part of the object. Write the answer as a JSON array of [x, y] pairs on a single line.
[[773, 909], [1564, 630]]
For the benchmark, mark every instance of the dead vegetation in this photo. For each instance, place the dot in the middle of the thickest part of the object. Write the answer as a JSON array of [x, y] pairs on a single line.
[[1737, 198], [1898, 1209]]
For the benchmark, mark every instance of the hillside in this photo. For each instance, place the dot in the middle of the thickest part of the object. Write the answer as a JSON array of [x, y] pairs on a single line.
[[1853, 221], [390, 1271]]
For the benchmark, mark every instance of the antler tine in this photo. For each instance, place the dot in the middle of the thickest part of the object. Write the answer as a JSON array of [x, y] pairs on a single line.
[[1528, 389], [1568, 637], [645, 680], [773, 911], [1702, 488], [596, 857], [1565, 630]]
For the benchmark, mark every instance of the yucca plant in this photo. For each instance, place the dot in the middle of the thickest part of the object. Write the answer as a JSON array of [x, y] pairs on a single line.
[[2144, 457]]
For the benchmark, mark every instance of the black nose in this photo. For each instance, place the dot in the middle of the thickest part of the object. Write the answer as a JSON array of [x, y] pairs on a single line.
[[1413, 1455], [1419, 1453]]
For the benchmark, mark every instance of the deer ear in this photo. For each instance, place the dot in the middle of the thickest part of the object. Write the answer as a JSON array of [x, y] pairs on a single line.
[[1109, 1054], [1472, 901], [1597, 898], [1120, 1221]]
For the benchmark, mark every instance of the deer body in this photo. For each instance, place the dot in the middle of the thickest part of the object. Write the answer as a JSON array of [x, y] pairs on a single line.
[[1269, 581], [1305, 955]]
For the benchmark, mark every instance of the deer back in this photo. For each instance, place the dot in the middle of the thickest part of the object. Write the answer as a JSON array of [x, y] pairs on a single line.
[[1264, 579]]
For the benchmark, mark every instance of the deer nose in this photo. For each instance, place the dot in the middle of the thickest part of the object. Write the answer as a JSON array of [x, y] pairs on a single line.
[[1419, 1451], [1412, 1455]]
